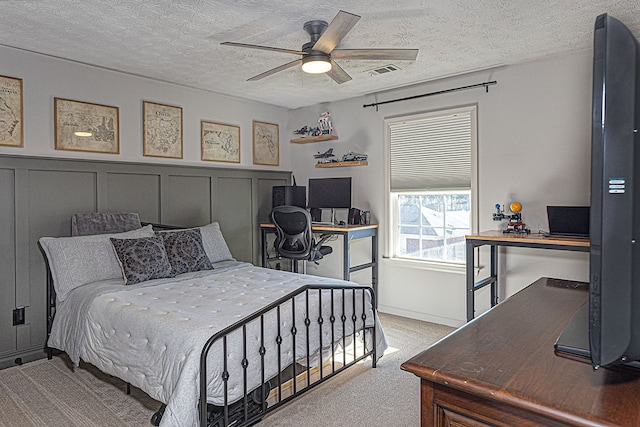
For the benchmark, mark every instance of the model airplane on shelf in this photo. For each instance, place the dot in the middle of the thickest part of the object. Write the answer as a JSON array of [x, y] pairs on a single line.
[[326, 157]]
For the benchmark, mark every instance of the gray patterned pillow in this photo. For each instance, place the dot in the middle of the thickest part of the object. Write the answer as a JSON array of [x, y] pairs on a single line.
[[214, 244], [185, 250], [142, 259]]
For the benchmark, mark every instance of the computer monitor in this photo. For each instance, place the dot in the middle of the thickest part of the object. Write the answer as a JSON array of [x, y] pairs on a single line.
[[330, 193]]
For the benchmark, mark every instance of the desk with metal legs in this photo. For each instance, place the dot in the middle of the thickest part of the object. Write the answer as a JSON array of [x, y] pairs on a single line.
[[496, 238], [348, 233]]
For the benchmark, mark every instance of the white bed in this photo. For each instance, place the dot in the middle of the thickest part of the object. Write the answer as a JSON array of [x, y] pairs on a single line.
[[151, 334]]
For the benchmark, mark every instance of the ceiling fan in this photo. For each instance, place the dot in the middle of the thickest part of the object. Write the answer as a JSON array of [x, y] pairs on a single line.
[[319, 54]]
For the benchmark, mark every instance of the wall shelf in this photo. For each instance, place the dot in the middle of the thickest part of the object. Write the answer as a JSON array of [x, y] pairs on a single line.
[[307, 139], [342, 164]]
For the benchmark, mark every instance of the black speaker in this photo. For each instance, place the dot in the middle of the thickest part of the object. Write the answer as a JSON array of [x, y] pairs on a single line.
[[289, 195], [355, 216], [316, 214]]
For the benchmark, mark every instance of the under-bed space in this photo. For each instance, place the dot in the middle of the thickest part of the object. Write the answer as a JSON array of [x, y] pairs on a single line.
[[245, 339]]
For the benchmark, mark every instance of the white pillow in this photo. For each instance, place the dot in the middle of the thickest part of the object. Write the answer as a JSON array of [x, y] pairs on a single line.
[[76, 261], [213, 241]]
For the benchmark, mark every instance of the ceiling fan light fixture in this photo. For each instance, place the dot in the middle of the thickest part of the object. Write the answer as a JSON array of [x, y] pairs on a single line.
[[316, 64], [317, 56]]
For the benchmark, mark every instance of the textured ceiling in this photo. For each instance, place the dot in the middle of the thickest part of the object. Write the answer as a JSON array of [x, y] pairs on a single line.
[[179, 41]]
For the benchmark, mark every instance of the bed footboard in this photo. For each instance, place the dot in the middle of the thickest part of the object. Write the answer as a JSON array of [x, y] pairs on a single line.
[[327, 321]]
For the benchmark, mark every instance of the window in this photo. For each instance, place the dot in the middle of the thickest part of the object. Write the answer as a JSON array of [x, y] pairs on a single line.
[[431, 184]]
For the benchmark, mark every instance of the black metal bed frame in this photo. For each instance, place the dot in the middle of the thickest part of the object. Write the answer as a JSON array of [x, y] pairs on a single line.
[[243, 410], [51, 306], [252, 406]]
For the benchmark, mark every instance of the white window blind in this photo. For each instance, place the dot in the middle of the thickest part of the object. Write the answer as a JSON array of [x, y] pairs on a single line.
[[431, 153]]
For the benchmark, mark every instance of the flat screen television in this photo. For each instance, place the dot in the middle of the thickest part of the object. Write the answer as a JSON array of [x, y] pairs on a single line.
[[330, 193], [613, 310]]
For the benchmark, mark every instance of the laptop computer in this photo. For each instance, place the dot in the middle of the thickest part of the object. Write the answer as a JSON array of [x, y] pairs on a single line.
[[568, 221]]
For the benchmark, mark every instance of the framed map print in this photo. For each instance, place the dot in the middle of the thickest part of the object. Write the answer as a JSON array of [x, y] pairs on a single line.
[[11, 128], [162, 130], [220, 142], [84, 126], [266, 144]]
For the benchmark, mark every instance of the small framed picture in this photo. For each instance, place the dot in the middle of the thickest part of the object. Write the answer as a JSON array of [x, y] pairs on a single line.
[[11, 116], [220, 142], [162, 130], [266, 144], [85, 126]]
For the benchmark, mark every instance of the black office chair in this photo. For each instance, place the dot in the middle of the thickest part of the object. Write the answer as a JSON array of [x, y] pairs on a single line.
[[294, 237]]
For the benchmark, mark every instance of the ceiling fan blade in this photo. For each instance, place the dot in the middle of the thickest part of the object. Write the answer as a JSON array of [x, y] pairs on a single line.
[[337, 29], [392, 54], [338, 74], [273, 49], [275, 70]]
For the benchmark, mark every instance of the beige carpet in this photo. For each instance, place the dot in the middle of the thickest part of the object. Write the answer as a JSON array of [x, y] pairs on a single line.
[[52, 393]]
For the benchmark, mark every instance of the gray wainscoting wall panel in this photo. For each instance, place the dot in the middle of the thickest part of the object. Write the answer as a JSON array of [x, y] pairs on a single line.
[[143, 198], [57, 192], [235, 217], [188, 200], [51, 194], [7, 263], [38, 196]]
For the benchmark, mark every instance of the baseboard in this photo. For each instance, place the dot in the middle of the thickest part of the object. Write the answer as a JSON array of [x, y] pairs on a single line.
[[9, 360], [455, 323]]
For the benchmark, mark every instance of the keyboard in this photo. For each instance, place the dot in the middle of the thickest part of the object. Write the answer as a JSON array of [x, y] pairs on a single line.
[[322, 223]]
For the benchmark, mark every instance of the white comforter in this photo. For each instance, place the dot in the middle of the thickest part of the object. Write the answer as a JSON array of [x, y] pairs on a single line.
[[152, 334]]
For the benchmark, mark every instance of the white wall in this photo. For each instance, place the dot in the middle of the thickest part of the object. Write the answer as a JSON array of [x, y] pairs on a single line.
[[45, 78], [533, 146]]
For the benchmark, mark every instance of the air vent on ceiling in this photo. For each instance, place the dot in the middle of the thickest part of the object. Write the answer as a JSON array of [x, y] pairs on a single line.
[[383, 70]]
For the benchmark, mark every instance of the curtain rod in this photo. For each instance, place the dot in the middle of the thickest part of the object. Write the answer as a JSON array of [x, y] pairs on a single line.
[[485, 85]]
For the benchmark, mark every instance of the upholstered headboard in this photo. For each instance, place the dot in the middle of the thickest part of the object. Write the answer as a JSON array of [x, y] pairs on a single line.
[[85, 224]]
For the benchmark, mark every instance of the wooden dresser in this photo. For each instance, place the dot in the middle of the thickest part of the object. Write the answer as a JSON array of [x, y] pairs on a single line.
[[501, 369]]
